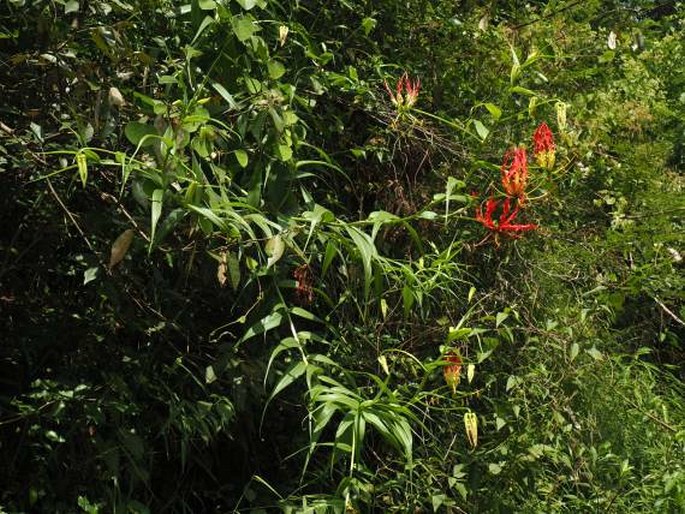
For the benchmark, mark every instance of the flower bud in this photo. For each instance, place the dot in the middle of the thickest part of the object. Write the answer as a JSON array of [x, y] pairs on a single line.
[[471, 425]]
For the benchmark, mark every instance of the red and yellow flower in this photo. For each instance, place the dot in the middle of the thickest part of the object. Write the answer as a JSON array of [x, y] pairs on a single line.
[[452, 371], [406, 92], [543, 146], [504, 224], [515, 173]]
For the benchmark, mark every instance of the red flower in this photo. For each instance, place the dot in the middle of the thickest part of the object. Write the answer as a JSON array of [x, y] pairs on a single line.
[[543, 146], [452, 372], [515, 173], [406, 92], [304, 287], [505, 224]]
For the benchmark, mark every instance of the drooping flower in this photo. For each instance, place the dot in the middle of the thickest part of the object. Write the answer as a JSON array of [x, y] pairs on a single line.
[[406, 92], [304, 286], [515, 173], [452, 372], [543, 146], [505, 223]]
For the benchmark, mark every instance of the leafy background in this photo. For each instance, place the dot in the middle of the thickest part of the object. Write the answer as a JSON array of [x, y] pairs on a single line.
[[233, 271]]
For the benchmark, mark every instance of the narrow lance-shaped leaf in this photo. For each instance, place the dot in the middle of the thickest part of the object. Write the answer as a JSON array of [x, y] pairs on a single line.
[[155, 213], [82, 164]]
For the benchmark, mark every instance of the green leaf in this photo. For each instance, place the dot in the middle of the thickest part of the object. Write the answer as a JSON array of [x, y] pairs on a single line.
[[494, 111], [273, 320], [247, 4], [315, 217], [190, 51], [407, 299], [233, 269], [367, 251], [71, 6], [241, 157], [303, 313], [274, 249], [210, 375], [243, 27], [368, 24], [501, 316], [138, 133], [595, 353], [437, 500], [285, 153], [293, 373], [380, 218], [494, 469], [481, 129], [210, 215], [207, 5], [276, 69], [82, 163], [225, 94], [331, 250], [574, 351], [522, 90]]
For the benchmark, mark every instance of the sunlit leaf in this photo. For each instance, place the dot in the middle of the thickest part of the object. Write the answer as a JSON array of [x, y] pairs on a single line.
[[82, 164], [155, 212], [243, 27], [274, 249]]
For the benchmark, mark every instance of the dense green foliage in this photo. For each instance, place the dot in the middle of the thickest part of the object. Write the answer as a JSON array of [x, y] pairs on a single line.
[[249, 263]]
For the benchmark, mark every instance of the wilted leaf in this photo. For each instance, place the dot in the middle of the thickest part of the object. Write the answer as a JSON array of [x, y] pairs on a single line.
[[120, 247], [221, 270], [115, 97]]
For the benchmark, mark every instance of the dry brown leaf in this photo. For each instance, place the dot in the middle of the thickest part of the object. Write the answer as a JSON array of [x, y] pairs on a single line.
[[221, 270], [120, 247]]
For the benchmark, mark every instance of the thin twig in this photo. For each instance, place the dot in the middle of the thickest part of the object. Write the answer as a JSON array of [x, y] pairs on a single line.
[[648, 414], [76, 225], [113, 199], [550, 15], [5, 128], [669, 311]]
